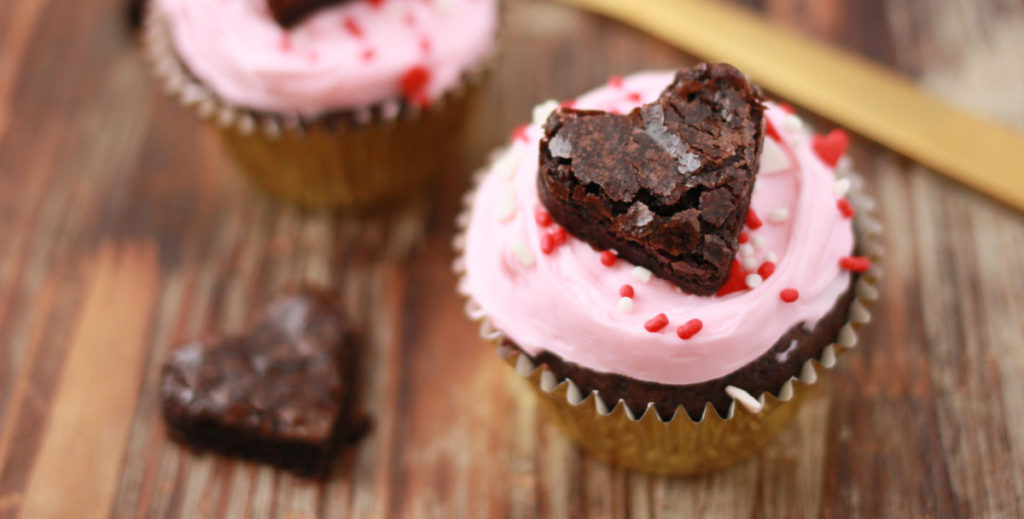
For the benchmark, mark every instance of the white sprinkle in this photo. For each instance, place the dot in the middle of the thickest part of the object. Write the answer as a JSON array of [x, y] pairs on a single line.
[[745, 399], [749, 262], [841, 188], [771, 256], [746, 249], [626, 305], [757, 185], [542, 111], [506, 205], [641, 274], [522, 252], [754, 280], [758, 241], [792, 123], [781, 357], [778, 215]]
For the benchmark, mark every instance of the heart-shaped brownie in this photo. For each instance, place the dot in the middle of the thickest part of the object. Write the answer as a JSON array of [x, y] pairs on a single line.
[[666, 186], [278, 393], [290, 12]]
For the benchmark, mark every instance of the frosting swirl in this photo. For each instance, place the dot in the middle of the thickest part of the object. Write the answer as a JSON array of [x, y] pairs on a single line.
[[567, 301], [345, 56]]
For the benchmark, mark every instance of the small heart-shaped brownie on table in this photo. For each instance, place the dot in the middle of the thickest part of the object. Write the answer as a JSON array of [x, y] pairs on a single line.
[[666, 186], [278, 393], [290, 12]]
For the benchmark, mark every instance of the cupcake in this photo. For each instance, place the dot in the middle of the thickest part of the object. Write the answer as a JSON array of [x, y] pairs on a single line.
[[328, 103], [670, 260]]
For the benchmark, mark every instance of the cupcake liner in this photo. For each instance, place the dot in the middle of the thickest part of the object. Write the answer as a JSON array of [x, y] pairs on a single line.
[[681, 444], [346, 159]]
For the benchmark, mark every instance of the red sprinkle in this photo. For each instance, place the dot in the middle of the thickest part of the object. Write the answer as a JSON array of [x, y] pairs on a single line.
[[353, 27], [737, 280], [689, 329], [608, 258], [285, 43], [568, 103], [558, 234], [766, 269], [830, 148], [376, 3], [789, 295], [753, 222], [769, 129], [656, 323], [519, 133], [414, 82], [547, 243], [744, 237], [856, 264], [615, 81], [425, 45], [845, 208], [542, 216], [626, 291], [635, 97], [368, 54]]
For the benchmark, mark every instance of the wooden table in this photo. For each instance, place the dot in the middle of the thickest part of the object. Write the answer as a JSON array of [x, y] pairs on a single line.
[[123, 232]]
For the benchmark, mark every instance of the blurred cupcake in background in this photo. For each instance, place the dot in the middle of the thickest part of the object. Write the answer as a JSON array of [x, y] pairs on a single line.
[[328, 104]]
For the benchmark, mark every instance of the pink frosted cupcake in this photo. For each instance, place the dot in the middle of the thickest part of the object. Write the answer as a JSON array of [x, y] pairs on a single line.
[[353, 104], [639, 370]]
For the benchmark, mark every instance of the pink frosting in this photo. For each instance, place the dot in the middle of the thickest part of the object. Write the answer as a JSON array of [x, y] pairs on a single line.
[[346, 56], [567, 302]]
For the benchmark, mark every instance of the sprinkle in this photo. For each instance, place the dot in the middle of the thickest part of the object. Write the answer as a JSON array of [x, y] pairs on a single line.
[[634, 97], [735, 282], [766, 270], [626, 291], [789, 295], [547, 243], [425, 45], [608, 258], [746, 249], [414, 84], [615, 81], [753, 222], [542, 111], [845, 208], [792, 123], [769, 129], [522, 252], [689, 329], [352, 26], [753, 281], [857, 264], [506, 205], [641, 274], [744, 237], [558, 234], [830, 148], [568, 103], [368, 54], [519, 134], [749, 262], [542, 216], [771, 256], [625, 304], [841, 187], [758, 242], [778, 215], [656, 323], [285, 43]]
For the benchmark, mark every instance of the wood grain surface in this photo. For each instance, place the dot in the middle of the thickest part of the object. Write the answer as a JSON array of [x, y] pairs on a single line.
[[123, 231]]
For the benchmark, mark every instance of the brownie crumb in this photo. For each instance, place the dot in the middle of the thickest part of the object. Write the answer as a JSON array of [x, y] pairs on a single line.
[[280, 393], [667, 185], [289, 12]]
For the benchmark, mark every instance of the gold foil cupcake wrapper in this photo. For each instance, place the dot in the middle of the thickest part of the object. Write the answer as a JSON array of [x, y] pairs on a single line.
[[681, 444], [345, 159]]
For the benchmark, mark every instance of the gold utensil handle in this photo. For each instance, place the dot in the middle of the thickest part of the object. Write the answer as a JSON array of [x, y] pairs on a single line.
[[849, 90]]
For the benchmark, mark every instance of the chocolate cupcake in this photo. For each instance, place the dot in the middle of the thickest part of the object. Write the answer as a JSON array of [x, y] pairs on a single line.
[[670, 260], [328, 103]]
